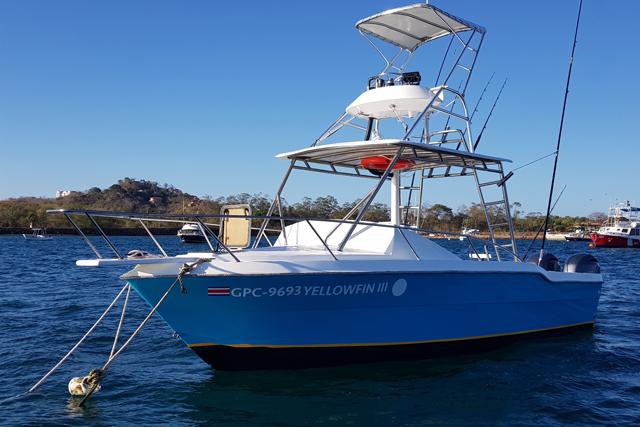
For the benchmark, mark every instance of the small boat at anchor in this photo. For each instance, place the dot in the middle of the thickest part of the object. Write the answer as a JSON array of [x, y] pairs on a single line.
[[579, 234], [191, 233], [468, 232], [332, 292], [38, 235], [621, 229]]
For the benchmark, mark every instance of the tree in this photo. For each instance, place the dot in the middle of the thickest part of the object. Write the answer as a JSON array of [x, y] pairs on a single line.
[[436, 217], [599, 217]]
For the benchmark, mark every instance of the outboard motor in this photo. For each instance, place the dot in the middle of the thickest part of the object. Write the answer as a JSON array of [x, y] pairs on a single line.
[[581, 263], [545, 260]]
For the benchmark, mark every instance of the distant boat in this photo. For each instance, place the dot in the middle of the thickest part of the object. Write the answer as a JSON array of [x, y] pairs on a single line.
[[191, 233], [39, 234], [621, 229], [579, 234], [556, 236], [468, 232]]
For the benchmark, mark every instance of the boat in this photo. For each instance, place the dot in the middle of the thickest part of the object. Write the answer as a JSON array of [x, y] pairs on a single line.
[[330, 292], [556, 236], [468, 232], [621, 229], [191, 233], [579, 234], [38, 234]]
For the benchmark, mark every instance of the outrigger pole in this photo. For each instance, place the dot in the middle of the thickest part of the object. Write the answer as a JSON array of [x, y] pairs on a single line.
[[564, 106]]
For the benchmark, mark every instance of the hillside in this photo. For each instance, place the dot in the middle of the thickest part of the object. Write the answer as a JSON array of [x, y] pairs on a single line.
[[141, 196]]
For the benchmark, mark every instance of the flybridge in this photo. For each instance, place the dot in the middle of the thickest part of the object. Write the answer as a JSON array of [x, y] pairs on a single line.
[[433, 138]]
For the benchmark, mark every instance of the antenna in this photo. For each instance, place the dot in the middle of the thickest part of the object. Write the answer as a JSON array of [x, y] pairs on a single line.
[[564, 106]]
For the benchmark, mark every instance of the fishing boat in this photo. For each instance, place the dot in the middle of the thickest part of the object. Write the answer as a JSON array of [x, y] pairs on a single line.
[[330, 292], [621, 229], [38, 235], [191, 233]]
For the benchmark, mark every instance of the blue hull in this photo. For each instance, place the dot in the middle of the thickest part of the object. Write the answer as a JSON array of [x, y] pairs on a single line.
[[294, 321]]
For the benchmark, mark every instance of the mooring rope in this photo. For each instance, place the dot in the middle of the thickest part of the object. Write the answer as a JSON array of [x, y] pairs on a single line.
[[81, 340], [72, 350], [124, 308], [98, 375]]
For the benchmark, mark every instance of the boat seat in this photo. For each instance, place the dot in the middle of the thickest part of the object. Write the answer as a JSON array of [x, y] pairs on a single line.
[[235, 233]]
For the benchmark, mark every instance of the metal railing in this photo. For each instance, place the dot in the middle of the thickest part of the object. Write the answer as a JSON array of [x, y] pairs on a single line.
[[203, 221]]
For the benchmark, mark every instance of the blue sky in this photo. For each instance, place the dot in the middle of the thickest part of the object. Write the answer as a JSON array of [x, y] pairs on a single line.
[[203, 94]]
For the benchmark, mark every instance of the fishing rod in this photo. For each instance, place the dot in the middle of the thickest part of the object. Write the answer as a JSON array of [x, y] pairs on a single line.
[[476, 107], [488, 117], [480, 99], [564, 106], [446, 125]]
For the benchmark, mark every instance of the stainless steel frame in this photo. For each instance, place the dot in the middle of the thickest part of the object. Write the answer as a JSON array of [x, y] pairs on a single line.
[[201, 219]]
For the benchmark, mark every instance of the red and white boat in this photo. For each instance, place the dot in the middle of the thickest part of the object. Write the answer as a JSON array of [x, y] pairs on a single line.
[[622, 228]]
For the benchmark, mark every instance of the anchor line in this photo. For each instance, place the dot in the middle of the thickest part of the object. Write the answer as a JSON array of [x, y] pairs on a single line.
[[79, 342], [124, 308], [98, 375], [70, 351]]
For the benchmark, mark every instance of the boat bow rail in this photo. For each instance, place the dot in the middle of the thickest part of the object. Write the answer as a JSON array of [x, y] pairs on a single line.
[[329, 234]]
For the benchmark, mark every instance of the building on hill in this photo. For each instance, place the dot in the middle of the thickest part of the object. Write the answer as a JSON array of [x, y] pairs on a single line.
[[65, 193]]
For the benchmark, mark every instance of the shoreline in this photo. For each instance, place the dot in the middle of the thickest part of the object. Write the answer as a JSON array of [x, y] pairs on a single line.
[[18, 231]]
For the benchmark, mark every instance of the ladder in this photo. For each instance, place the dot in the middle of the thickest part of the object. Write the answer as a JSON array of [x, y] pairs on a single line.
[[500, 204], [410, 214]]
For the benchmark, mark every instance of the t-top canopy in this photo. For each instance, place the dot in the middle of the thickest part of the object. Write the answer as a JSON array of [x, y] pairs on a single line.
[[410, 26], [350, 155]]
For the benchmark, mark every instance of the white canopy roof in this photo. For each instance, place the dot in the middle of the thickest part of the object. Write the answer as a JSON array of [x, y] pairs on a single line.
[[410, 26]]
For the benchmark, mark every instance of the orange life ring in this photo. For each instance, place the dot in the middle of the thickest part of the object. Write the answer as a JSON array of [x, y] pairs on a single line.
[[381, 163]]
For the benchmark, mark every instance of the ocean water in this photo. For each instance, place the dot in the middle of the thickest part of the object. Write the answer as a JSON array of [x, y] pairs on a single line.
[[47, 304]]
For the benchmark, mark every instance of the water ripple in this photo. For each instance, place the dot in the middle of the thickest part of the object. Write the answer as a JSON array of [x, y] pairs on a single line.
[[590, 378]]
